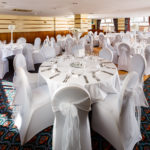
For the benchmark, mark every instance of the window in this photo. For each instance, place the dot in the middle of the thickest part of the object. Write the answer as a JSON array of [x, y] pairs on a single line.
[[107, 25], [139, 23]]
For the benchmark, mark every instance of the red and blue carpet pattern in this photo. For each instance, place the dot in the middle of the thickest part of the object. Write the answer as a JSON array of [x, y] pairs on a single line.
[[9, 136]]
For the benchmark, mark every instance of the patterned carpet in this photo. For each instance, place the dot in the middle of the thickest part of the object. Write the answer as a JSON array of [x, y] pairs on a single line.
[[9, 136]]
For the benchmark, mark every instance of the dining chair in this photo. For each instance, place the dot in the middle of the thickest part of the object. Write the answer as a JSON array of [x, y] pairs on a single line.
[[55, 45], [115, 54], [35, 113], [101, 39], [37, 43], [27, 52], [124, 56], [21, 40], [68, 45], [115, 119], [48, 52], [20, 61], [58, 37], [138, 60], [138, 64], [118, 39], [68, 36], [4, 67], [147, 57], [107, 54], [71, 130], [89, 44]]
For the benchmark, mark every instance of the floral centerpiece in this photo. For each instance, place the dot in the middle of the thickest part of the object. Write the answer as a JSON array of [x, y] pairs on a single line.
[[76, 33]]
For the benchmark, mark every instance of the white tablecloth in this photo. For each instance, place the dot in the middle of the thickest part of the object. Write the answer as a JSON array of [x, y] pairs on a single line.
[[97, 75]]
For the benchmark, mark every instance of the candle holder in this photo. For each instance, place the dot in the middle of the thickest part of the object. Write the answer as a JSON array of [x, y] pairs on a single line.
[[11, 28]]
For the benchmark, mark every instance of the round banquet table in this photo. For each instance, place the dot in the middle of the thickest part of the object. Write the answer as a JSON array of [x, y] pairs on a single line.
[[97, 75]]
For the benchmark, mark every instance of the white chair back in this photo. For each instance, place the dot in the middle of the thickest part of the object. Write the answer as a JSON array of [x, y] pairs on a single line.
[[21, 40], [68, 36], [124, 57], [106, 54], [27, 52], [58, 37], [71, 129], [68, 45], [48, 51], [108, 116], [1, 54], [147, 57], [19, 61], [37, 43], [138, 64], [23, 99]]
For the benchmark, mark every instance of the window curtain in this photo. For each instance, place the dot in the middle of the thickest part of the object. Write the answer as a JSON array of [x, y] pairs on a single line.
[[116, 24], [127, 24], [149, 21]]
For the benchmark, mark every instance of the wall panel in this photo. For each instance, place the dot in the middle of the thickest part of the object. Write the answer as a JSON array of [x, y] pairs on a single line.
[[26, 23], [31, 27]]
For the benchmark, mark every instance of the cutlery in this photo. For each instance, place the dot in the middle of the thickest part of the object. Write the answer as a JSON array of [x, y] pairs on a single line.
[[66, 78], [44, 66], [45, 70], [93, 74], [86, 80], [57, 70], [103, 65], [54, 76], [107, 72]]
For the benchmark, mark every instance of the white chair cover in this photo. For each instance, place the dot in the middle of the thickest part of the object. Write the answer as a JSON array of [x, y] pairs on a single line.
[[58, 37], [89, 45], [106, 54], [124, 57], [27, 52], [147, 57], [138, 60], [34, 104], [37, 43], [118, 39], [21, 40], [55, 45], [115, 117], [48, 52], [115, 54], [71, 129], [101, 39], [4, 68], [19, 61], [68, 46], [78, 50], [68, 36]]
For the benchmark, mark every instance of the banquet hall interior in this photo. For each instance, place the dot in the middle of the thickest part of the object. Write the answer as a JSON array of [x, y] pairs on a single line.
[[74, 75]]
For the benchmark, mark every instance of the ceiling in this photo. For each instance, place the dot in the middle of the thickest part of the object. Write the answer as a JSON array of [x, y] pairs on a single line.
[[96, 8]]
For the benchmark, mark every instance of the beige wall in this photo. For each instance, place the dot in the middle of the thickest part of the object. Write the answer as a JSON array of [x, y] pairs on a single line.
[[82, 22], [35, 23], [26, 23]]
